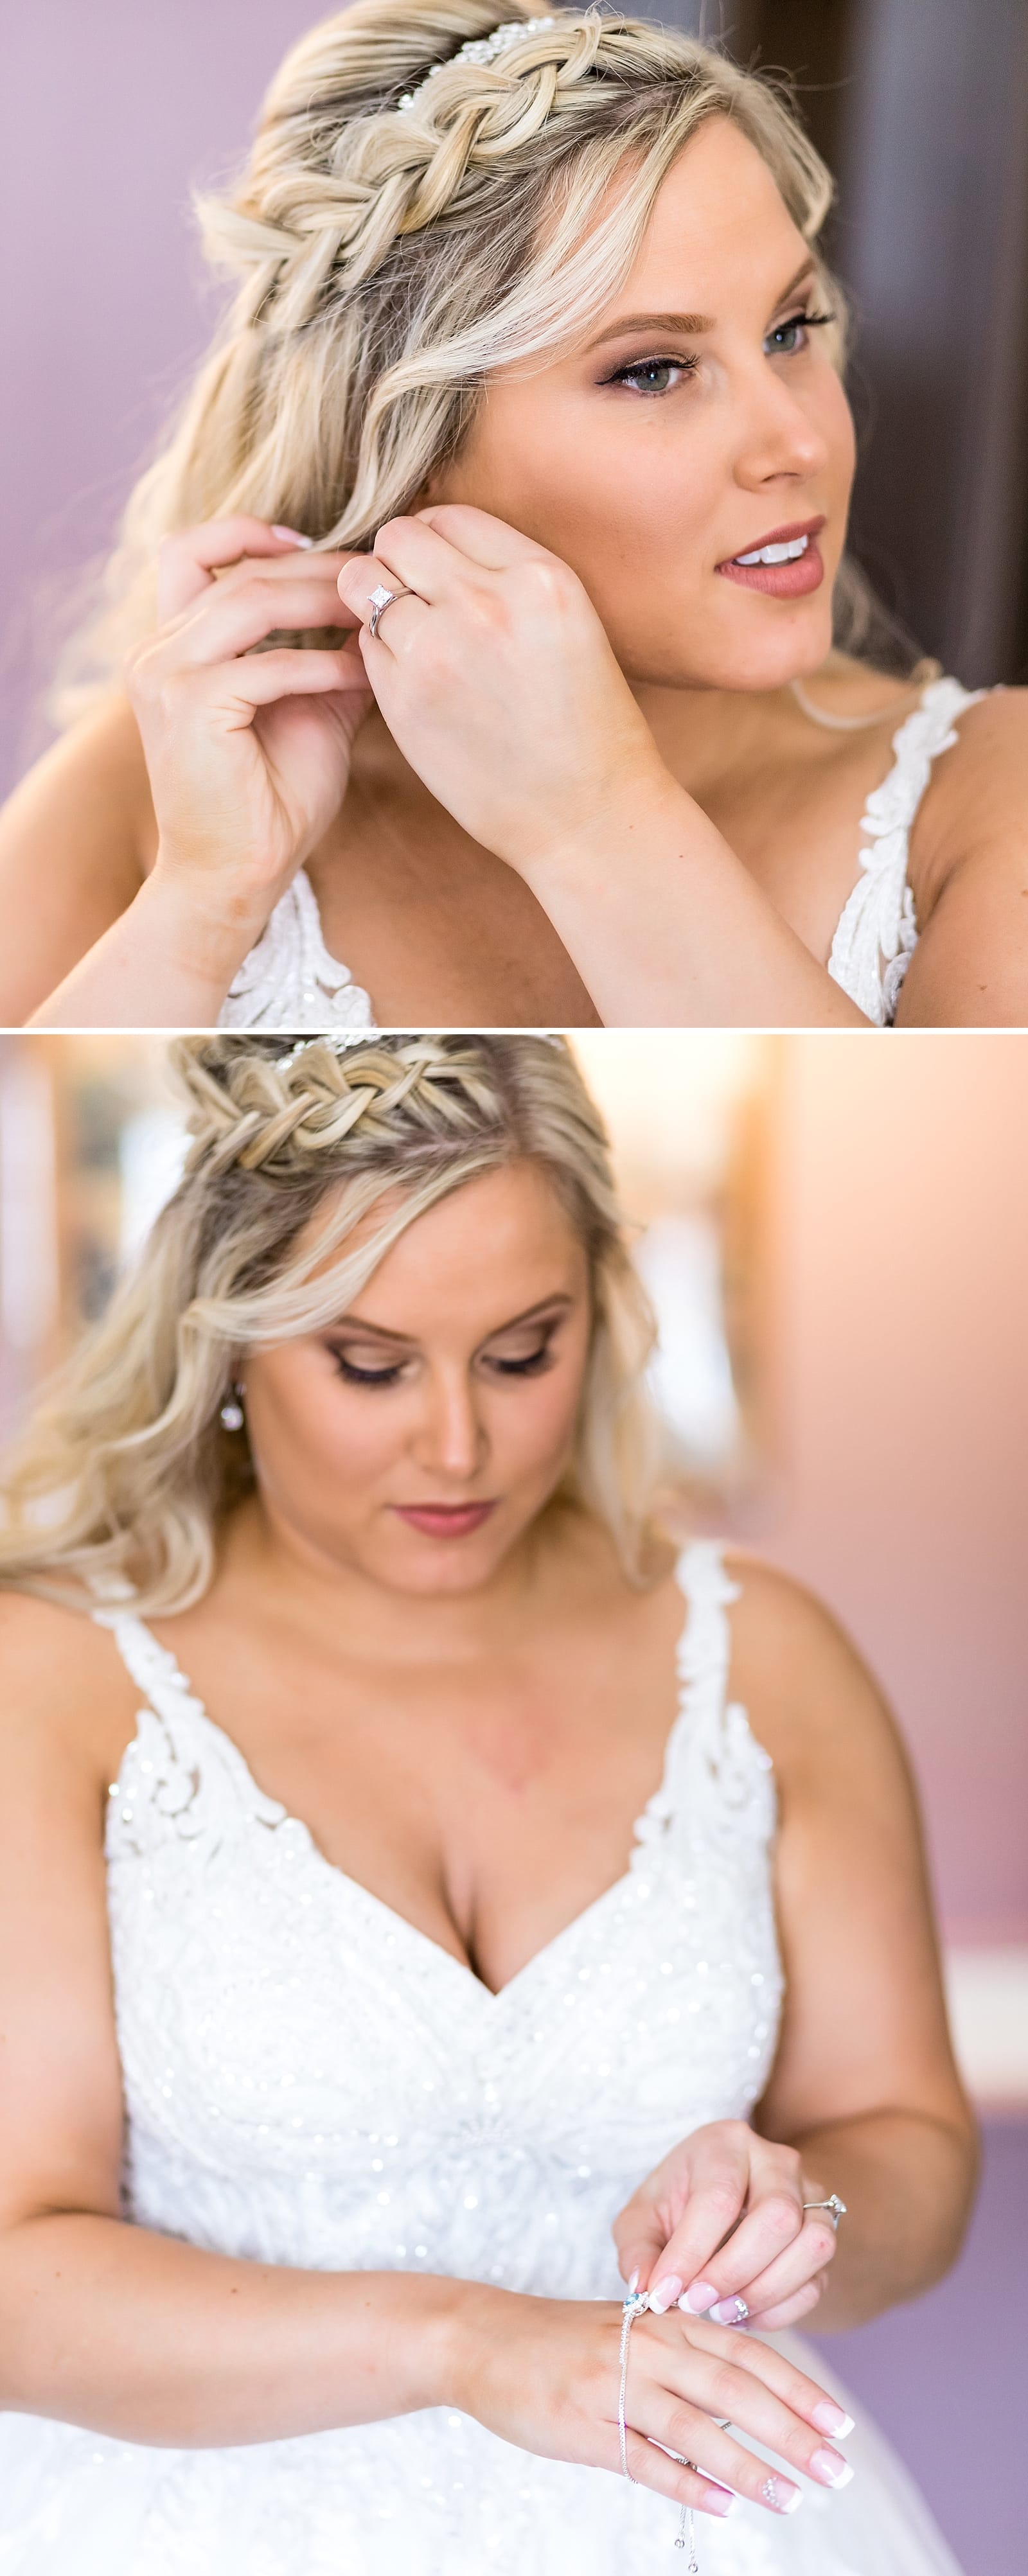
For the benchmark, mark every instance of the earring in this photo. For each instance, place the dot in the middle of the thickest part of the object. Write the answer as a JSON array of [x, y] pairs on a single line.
[[232, 1411]]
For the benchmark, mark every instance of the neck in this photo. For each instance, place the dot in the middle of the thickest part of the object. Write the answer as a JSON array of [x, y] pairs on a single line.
[[334, 1596]]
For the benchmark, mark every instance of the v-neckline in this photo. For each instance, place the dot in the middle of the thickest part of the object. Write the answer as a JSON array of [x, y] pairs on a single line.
[[354, 1887]]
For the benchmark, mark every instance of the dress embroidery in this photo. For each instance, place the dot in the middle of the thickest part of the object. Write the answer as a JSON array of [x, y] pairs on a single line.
[[877, 932]]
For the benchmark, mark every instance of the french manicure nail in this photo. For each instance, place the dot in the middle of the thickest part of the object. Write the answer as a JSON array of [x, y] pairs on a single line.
[[781, 2495], [697, 2300], [292, 537], [731, 2312], [719, 2500], [633, 2284], [831, 2468], [830, 2419], [666, 2295]]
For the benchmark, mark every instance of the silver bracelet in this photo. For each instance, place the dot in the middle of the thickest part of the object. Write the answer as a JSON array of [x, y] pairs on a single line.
[[632, 2307]]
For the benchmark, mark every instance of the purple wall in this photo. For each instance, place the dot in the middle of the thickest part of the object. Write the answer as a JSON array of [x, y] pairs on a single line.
[[109, 114], [947, 2379]]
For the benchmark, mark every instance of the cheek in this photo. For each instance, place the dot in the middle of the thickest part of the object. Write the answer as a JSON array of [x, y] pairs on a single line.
[[531, 1431]]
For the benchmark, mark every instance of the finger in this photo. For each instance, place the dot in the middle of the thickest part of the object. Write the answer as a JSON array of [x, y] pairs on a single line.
[[262, 678], [400, 631], [651, 2467], [770, 2320], [188, 559], [747, 2355], [753, 2410], [812, 2248], [714, 2453], [717, 2198], [759, 2240], [363, 575], [477, 535], [234, 619]]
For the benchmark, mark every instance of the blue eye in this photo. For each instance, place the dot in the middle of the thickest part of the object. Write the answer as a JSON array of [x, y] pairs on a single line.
[[785, 339], [651, 375]]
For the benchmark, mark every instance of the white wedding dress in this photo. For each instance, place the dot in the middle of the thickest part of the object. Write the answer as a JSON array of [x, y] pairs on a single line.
[[289, 980], [311, 2081]]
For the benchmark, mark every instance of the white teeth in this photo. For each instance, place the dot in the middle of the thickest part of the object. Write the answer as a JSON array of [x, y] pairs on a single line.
[[776, 554]]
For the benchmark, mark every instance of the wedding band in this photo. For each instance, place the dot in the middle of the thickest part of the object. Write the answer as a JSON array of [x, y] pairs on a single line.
[[835, 2207], [379, 600]]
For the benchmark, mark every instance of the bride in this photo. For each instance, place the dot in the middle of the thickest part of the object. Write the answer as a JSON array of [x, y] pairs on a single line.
[[528, 425], [334, 2128]]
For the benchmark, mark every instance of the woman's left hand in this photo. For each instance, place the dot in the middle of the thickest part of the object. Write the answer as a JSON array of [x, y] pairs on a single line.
[[720, 2229], [496, 680]]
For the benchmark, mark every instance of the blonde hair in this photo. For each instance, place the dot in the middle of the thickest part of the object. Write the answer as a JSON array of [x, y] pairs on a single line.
[[125, 1471], [388, 262]]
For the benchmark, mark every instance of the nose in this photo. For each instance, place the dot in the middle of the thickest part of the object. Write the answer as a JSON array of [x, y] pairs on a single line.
[[451, 1439], [781, 438]]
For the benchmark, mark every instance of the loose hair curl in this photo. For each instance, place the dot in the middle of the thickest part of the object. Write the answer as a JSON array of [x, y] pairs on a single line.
[[388, 264], [125, 1473]]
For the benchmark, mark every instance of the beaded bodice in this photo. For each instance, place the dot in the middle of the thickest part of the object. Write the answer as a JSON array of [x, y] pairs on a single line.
[[290, 980], [324, 2085]]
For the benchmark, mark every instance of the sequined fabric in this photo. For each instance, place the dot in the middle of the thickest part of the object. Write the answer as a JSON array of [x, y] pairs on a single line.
[[311, 2081]]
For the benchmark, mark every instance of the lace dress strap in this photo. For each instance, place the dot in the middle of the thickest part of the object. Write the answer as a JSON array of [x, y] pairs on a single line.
[[877, 931], [290, 980]]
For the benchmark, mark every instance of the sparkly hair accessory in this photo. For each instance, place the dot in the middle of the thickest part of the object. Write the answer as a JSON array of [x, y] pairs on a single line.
[[338, 1041], [482, 49]]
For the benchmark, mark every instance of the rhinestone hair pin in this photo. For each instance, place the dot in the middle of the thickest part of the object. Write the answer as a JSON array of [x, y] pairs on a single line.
[[482, 49]]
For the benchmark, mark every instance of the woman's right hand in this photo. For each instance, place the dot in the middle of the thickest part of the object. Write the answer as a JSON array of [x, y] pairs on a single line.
[[544, 2373], [248, 752]]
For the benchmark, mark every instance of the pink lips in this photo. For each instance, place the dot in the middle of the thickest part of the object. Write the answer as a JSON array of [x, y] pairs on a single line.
[[444, 1520], [793, 580]]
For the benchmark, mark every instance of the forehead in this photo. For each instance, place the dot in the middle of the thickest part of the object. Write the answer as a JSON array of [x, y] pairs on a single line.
[[495, 1244], [718, 221]]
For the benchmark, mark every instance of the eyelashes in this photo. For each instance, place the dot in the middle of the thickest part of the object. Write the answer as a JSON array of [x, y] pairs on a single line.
[[632, 376], [533, 1366]]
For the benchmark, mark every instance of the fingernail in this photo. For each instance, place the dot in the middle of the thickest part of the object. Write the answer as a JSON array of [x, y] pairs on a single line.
[[831, 2468], [667, 2293], [830, 2419], [730, 2312], [292, 537], [633, 2284], [719, 2500], [781, 2495], [697, 2300]]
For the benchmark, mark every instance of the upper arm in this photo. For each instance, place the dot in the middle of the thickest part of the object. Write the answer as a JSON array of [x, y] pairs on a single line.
[[864, 2025], [60, 2078], [970, 966], [75, 840]]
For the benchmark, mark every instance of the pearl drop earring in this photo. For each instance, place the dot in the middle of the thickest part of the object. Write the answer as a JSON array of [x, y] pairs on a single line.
[[232, 1411]]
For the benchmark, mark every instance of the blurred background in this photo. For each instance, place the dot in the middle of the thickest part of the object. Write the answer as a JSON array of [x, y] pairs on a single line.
[[837, 1244], [109, 115]]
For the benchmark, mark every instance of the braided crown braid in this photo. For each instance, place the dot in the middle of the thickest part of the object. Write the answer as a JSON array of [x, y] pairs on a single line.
[[125, 1474], [389, 257]]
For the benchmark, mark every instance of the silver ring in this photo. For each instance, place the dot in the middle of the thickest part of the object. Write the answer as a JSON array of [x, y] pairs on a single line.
[[379, 600], [835, 2207]]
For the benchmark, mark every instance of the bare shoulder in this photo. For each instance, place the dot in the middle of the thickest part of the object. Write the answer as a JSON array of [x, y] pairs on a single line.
[[66, 1705], [77, 837], [811, 1698], [978, 792], [96, 768]]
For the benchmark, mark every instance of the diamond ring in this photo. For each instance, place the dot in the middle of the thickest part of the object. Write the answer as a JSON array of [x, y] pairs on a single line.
[[379, 600]]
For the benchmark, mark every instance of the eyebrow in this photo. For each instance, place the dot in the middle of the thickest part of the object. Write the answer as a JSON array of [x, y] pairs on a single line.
[[403, 1341], [689, 324]]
